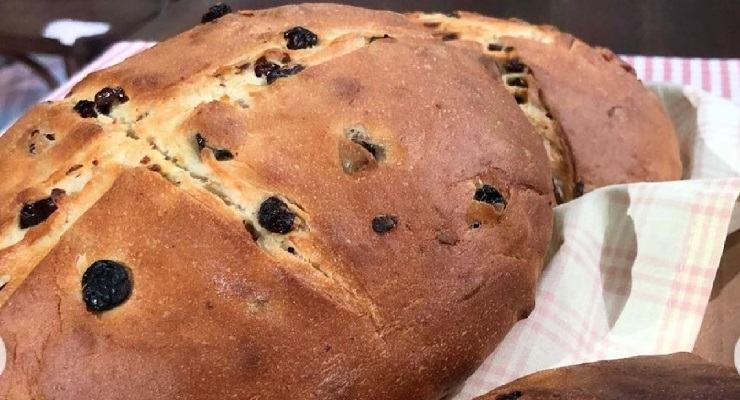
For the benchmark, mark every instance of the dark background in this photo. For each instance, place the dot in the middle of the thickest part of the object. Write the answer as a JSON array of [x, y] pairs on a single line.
[[702, 28], [683, 28]]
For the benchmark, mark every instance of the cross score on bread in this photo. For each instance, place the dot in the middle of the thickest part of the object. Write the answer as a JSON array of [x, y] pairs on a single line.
[[311, 201]]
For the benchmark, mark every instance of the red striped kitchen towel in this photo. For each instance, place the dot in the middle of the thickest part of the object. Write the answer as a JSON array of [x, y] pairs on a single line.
[[720, 77], [631, 266]]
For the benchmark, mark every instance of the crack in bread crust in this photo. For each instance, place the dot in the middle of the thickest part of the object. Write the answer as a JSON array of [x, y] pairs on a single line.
[[326, 279], [273, 245]]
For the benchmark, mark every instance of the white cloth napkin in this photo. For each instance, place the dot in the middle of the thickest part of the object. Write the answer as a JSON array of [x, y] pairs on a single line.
[[632, 266]]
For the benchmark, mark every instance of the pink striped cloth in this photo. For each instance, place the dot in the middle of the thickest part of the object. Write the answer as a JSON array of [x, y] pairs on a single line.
[[631, 267], [720, 77]]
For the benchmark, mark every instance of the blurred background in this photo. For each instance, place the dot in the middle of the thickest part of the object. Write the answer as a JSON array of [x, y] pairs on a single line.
[[43, 42]]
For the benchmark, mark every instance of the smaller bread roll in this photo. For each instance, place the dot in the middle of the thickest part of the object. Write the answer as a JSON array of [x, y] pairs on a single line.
[[599, 124], [681, 376]]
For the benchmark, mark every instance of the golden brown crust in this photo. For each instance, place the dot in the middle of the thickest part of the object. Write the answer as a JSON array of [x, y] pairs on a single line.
[[675, 376], [223, 307], [616, 129], [232, 40]]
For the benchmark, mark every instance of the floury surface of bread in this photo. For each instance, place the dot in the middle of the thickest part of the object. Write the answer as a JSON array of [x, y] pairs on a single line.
[[355, 217]]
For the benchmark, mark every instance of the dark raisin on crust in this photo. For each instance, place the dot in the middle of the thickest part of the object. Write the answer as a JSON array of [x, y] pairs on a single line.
[[360, 137], [510, 396], [557, 188], [475, 225], [354, 157], [520, 97], [32, 148], [377, 151], [300, 38], [283, 72], [263, 67], [105, 285], [39, 211], [219, 153], [578, 189], [490, 195], [73, 168], [275, 216], [383, 224], [200, 141], [514, 66], [50, 137], [374, 38], [518, 82], [450, 36], [223, 155], [215, 12], [86, 109], [107, 97], [495, 47]]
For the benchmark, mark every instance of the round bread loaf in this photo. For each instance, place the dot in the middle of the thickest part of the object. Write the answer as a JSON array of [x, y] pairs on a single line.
[[600, 125], [310, 201], [676, 376]]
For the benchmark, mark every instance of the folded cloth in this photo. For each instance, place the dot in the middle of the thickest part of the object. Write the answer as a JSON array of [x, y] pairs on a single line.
[[632, 266]]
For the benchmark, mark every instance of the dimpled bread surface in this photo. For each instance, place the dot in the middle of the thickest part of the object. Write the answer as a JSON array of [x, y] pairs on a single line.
[[414, 201], [600, 125], [682, 376]]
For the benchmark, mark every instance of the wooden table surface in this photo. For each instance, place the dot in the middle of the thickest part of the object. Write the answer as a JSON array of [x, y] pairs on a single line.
[[683, 28]]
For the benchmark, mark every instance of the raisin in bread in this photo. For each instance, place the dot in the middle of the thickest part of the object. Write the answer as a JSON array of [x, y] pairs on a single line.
[[600, 125], [311, 201], [676, 376]]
